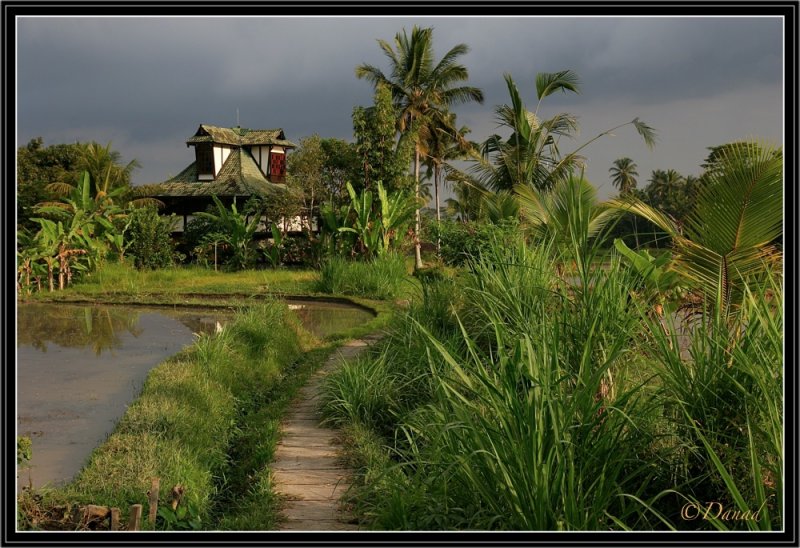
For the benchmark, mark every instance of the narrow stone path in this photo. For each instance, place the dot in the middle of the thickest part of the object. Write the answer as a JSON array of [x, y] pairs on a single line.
[[307, 469]]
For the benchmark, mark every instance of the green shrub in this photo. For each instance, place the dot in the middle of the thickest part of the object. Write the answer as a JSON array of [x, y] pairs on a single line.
[[462, 241], [361, 392], [150, 238]]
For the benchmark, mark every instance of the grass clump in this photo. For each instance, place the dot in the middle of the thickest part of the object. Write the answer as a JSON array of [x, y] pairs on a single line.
[[122, 279], [381, 278]]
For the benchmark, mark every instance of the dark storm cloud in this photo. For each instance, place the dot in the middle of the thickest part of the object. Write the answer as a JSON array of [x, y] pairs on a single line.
[[142, 81]]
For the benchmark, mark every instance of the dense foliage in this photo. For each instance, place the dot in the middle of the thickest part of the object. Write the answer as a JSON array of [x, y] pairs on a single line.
[[541, 390], [150, 238]]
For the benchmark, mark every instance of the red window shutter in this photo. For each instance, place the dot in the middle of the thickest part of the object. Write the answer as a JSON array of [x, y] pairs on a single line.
[[277, 165]]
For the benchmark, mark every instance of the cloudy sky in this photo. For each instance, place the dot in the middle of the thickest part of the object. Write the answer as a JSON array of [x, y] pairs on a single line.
[[145, 84]]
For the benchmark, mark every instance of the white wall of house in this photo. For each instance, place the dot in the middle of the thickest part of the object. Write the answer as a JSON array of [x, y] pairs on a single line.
[[220, 155], [295, 224], [261, 156]]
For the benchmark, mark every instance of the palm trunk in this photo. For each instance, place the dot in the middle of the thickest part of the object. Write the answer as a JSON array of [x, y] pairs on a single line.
[[417, 248], [438, 215]]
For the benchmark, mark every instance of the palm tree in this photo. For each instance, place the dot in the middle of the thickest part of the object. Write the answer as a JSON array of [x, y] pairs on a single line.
[[425, 190], [442, 142], [469, 197], [727, 238], [623, 177], [662, 183], [421, 90], [462, 207], [108, 177], [531, 155], [569, 214]]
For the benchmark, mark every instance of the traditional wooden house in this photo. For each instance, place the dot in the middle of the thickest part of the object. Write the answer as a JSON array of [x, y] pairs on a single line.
[[230, 163]]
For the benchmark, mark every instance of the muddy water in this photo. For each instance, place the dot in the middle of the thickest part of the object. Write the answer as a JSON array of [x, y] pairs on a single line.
[[327, 318], [78, 368]]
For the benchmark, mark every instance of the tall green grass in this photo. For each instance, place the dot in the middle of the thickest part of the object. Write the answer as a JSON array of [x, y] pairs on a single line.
[[380, 278], [517, 397], [501, 418], [723, 391]]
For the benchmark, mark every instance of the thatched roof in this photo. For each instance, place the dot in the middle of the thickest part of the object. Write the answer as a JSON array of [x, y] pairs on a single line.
[[239, 176], [239, 136]]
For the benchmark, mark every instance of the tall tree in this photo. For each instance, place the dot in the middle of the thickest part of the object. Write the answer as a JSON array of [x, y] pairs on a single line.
[[37, 167], [341, 165], [305, 173], [531, 155], [108, 177], [468, 201], [623, 177], [381, 159], [442, 142], [420, 87], [667, 192]]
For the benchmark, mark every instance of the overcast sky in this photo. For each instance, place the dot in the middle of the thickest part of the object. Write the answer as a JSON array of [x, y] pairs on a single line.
[[146, 84]]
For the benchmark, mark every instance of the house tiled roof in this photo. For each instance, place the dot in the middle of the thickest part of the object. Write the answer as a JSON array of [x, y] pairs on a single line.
[[239, 176], [238, 136]]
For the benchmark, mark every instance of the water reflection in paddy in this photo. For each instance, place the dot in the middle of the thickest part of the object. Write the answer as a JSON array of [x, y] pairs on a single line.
[[78, 368]]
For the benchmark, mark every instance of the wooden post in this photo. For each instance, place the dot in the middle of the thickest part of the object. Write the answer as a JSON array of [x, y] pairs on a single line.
[[115, 519], [153, 494], [135, 519]]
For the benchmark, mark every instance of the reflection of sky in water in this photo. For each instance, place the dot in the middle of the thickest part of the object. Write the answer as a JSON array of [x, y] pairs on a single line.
[[75, 377], [78, 368], [323, 319]]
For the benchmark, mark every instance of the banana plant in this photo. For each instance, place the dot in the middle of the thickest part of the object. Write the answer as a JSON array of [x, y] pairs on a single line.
[[364, 227], [660, 283], [115, 236], [238, 231], [397, 212], [332, 220], [273, 252], [65, 243]]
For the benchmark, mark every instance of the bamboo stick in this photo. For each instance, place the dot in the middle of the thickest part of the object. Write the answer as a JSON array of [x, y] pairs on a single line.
[[153, 494], [135, 519]]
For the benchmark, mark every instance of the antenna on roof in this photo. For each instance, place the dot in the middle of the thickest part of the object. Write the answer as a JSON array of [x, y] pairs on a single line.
[[237, 117]]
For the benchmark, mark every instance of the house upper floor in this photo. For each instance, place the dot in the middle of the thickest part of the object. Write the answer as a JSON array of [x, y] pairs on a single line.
[[213, 146]]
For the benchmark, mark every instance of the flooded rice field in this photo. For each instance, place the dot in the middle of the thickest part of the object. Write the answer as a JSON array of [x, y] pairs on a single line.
[[79, 366]]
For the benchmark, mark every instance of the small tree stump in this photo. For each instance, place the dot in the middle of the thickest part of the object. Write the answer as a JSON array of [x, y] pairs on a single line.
[[92, 515], [135, 519], [177, 495], [153, 495]]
